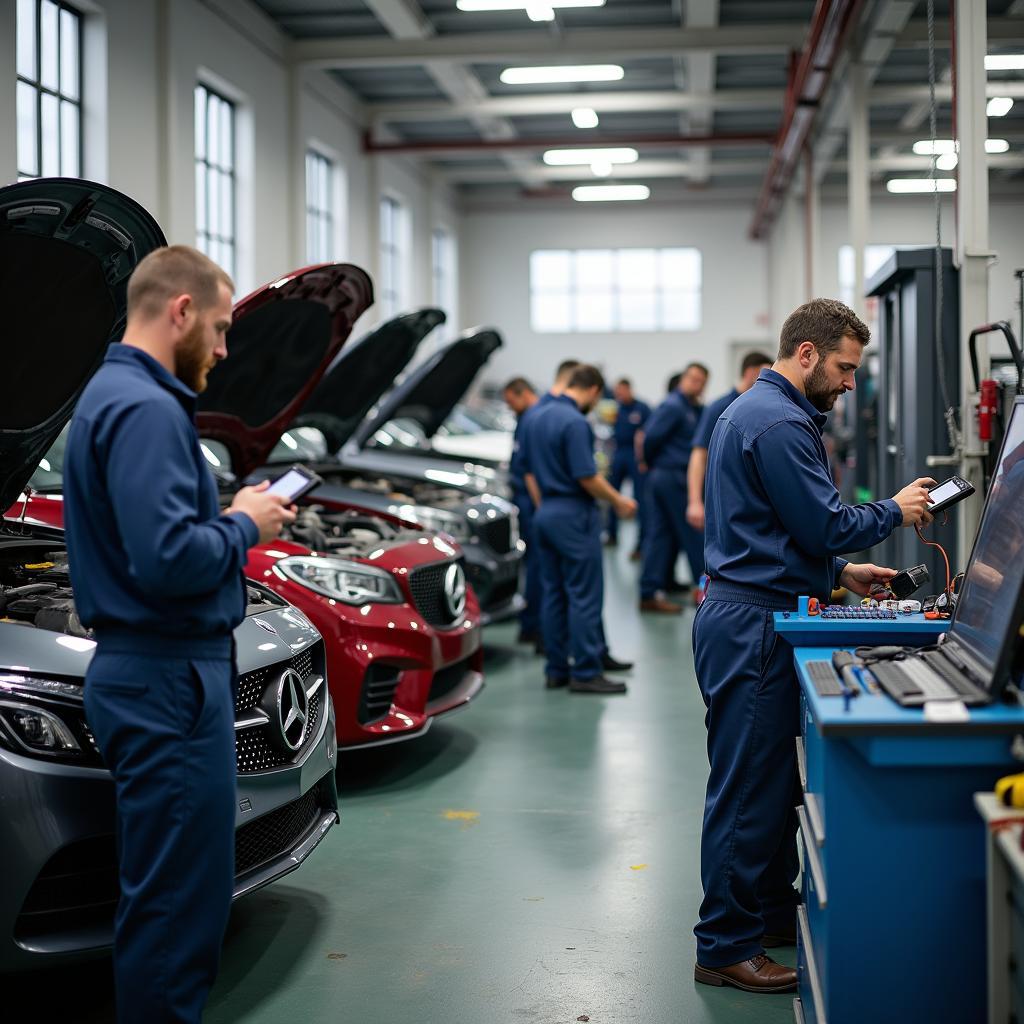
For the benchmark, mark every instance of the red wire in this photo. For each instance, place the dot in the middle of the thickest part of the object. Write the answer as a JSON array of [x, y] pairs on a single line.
[[945, 557]]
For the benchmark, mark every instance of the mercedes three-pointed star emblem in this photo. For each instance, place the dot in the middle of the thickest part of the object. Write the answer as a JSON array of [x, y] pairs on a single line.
[[455, 590], [292, 710]]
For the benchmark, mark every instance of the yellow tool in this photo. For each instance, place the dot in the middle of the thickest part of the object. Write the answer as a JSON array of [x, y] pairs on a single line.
[[1010, 790]]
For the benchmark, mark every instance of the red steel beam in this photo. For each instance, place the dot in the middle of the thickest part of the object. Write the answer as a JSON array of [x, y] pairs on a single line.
[[809, 81]]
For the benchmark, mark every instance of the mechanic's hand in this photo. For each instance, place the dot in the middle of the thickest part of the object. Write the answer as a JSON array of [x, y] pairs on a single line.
[[625, 508], [913, 502], [862, 579], [270, 512], [695, 514]]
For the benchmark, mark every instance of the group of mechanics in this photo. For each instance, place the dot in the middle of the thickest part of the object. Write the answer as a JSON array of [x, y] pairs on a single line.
[[743, 487]]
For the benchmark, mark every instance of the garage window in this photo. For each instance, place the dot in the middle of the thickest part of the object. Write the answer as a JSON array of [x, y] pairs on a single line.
[[393, 249], [615, 290], [49, 90], [216, 182], [444, 283], [319, 207]]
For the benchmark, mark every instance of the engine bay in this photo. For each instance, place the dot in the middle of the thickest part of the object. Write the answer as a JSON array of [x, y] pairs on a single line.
[[350, 533], [446, 498]]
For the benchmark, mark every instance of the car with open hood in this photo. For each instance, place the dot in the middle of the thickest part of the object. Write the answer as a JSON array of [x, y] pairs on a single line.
[[67, 248], [390, 598], [463, 500]]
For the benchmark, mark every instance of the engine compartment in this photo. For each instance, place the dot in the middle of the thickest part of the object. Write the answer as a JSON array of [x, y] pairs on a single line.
[[350, 533], [446, 498], [35, 588]]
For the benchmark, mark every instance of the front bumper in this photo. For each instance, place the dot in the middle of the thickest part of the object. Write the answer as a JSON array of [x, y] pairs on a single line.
[[57, 829]]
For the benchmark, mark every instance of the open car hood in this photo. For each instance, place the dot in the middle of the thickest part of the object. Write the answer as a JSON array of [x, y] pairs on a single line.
[[67, 249], [282, 339], [362, 373], [432, 390]]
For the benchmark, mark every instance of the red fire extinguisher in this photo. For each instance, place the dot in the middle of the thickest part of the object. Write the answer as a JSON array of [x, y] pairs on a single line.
[[988, 399]]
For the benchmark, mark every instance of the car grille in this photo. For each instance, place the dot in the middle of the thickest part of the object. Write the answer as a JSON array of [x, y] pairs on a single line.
[[496, 534], [78, 887], [255, 751], [275, 833], [427, 586], [252, 684], [495, 588], [378, 692]]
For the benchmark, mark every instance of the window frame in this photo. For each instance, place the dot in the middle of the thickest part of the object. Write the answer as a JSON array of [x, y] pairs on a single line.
[[324, 218], [392, 256], [657, 293], [40, 90], [204, 236]]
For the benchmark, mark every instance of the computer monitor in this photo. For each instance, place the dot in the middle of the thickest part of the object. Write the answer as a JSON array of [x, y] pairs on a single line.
[[987, 621]]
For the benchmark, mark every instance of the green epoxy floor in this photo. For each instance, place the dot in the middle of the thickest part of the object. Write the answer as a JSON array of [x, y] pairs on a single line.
[[532, 860]]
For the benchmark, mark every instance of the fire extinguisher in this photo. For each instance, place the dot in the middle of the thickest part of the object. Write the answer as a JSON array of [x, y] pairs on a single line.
[[988, 400]]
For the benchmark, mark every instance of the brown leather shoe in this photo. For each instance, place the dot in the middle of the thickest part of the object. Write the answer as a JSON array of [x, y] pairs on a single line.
[[660, 605], [758, 974]]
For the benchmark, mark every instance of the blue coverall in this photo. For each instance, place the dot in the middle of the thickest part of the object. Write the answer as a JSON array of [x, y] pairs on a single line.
[[560, 453], [630, 419], [709, 417], [668, 440], [157, 574], [529, 618], [774, 526]]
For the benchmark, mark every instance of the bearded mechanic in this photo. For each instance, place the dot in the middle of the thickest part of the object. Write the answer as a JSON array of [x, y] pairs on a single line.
[[157, 573], [775, 528]]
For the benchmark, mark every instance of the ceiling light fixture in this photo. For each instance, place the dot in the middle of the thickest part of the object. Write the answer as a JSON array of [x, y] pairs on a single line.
[[522, 5], [910, 186], [562, 73], [999, 106], [610, 193], [602, 168], [997, 146], [926, 147], [1004, 62], [570, 157], [947, 162], [540, 10], [585, 117]]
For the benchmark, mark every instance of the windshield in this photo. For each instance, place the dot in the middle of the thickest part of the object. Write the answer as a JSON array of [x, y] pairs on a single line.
[[49, 474]]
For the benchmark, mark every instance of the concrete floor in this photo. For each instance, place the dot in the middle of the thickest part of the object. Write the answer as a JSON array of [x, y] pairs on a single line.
[[532, 860]]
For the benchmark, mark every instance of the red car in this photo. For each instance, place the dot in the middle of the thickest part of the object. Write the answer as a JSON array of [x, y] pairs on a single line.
[[400, 623]]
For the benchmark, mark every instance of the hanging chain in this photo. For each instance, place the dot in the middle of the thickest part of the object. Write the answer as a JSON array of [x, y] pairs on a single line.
[[952, 429]]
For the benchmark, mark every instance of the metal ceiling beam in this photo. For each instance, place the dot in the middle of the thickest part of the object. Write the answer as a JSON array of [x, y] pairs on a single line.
[[699, 76], [1000, 30], [568, 47]]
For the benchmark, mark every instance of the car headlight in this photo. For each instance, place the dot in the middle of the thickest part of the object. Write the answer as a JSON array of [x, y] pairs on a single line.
[[350, 582], [437, 519], [33, 722], [38, 729]]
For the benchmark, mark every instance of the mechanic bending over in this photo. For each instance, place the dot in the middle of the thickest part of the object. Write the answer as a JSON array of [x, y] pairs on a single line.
[[157, 574], [753, 363], [775, 526]]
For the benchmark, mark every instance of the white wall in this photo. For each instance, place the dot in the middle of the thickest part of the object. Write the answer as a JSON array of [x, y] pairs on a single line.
[[495, 265], [148, 57]]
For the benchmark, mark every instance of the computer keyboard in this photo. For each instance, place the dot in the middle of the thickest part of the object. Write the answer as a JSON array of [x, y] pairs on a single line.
[[825, 680], [852, 612], [956, 679], [911, 681]]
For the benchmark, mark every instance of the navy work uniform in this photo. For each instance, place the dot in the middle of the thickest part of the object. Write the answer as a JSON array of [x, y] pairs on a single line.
[[774, 525], [157, 574], [668, 441], [709, 417], [630, 419], [529, 619], [568, 529]]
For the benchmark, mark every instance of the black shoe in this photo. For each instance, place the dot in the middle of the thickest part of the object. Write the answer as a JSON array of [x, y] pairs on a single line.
[[609, 664], [599, 684], [528, 636], [555, 683]]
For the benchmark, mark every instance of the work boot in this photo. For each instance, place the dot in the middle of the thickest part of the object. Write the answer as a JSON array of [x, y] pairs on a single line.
[[555, 682], [609, 664], [758, 974], [660, 605], [599, 684]]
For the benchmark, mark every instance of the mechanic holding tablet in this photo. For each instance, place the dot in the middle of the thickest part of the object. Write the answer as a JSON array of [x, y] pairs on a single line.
[[157, 574], [775, 526]]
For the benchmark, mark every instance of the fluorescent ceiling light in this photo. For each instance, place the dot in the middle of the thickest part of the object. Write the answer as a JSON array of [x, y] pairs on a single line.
[[907, 186], [610, 193], [999, 106], [1004, 62], [947, 161], [586, 117], [539, 10], [522, 5], [570, 157], [562, 73], [602, 168], [925, 147]]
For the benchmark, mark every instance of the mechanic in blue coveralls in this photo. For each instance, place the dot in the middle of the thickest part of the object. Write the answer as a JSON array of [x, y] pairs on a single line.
[[567, 528], [668, 438], [775, 528], [629, 421], [753, 363], [521, 399], [156, 568]]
